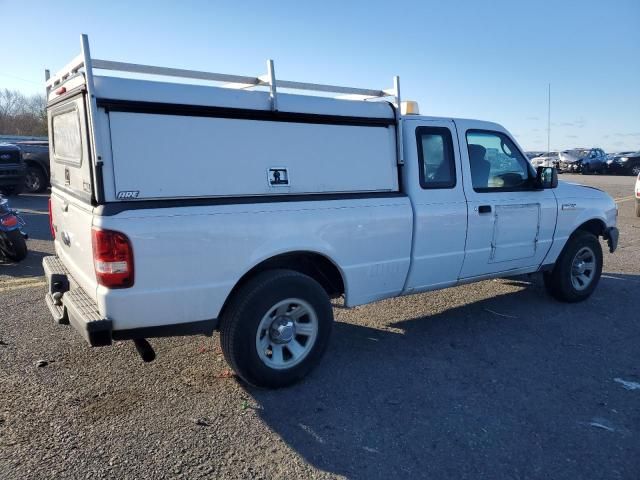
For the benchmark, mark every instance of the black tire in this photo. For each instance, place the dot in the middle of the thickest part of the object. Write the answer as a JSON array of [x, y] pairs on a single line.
[[637, 208], [36, 180], [13, 245], [635, 170], [559, 281], [241, 318], [586, 170]]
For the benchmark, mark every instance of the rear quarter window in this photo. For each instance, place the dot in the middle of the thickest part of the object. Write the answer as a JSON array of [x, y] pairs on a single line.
[[67, 138]]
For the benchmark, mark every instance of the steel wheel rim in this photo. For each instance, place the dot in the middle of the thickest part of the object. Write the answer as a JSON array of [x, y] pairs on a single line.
[[287, 333], [32, 182], [636, 170], [583, 268]]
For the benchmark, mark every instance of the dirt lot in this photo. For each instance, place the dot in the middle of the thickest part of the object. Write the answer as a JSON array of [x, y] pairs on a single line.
[[491, 380]]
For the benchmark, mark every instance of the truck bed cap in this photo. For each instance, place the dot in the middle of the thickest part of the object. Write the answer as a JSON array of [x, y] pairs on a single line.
[[134, 90]]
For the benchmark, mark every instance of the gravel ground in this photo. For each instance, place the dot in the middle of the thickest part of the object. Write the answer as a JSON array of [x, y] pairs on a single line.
[[490, 380]]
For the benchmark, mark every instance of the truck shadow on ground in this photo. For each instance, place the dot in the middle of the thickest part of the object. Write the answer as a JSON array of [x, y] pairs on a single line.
[[496, 390]]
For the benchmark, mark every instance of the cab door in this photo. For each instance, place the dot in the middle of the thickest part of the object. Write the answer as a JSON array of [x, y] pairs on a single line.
[[432, 178], [510, 225]]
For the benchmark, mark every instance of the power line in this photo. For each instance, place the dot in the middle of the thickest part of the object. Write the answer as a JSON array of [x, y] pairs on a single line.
[[20, 78]]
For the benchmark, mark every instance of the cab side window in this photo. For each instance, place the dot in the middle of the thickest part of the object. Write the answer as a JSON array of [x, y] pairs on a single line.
[[436, 158], [496, 164]]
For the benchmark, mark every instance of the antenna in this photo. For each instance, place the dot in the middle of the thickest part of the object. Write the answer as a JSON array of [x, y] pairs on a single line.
[[549, 122]]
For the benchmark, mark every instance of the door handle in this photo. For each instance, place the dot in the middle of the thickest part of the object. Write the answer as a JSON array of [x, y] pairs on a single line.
[[484, 209]]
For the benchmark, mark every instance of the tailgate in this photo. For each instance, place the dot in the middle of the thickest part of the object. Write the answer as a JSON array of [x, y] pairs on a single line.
[[71, 182], [72, 221]]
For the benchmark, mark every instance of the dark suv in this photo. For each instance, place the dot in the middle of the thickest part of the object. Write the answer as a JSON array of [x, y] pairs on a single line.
[[583, 160], [12, 169], [36, 156]]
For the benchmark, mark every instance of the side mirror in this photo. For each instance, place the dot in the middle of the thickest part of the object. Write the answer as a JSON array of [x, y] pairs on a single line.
[[546, 177]]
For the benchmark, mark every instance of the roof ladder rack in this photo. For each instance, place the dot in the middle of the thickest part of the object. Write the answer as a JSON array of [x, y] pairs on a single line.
[[229, 81]]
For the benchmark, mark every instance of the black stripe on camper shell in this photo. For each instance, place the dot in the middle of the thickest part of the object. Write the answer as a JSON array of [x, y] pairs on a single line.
[[239, 113]]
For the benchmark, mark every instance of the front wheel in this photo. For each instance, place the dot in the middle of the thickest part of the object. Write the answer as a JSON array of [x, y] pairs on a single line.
[[635, 170], [577, 271], [276, 328], [13, 245]]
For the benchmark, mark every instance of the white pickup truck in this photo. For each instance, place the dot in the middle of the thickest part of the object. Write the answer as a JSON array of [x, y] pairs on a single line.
[[181, 209]]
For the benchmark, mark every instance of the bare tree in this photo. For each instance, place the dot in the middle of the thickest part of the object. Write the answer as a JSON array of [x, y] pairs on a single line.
[[22, 115]]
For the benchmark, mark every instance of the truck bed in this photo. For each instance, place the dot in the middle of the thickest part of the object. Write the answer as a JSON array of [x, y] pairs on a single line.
[[205, 250]]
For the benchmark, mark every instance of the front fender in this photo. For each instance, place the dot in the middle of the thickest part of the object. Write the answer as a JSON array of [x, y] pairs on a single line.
[[579, 206]]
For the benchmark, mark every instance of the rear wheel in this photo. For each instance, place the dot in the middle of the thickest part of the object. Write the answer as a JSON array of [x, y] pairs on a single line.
[[637, 208], [577, 271], [276, 328], [635, 170], [13, 245], [35, 181]]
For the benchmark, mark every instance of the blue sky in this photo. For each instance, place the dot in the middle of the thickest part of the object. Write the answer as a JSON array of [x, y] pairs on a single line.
[[490, 60]]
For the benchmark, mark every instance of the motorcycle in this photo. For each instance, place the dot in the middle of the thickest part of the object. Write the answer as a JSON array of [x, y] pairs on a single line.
[[13, 243]]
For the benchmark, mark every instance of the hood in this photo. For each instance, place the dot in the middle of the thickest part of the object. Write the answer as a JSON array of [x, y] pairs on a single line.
[[8, 147], [626, 155], [576, 190], [572, 156]]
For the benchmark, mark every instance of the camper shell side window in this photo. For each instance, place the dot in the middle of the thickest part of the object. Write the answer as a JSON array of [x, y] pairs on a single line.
[[67, 135]]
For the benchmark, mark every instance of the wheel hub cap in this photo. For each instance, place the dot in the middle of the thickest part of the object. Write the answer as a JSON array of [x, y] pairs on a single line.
[[287, 333], [580, 268], [282, 330], [583, 268]]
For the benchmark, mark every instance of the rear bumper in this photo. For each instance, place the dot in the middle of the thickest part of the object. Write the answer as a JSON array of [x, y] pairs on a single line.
[[70, 304]]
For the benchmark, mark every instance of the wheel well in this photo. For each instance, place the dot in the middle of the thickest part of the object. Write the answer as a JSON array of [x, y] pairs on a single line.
[[314, 265], [594, 226], [37, 165]]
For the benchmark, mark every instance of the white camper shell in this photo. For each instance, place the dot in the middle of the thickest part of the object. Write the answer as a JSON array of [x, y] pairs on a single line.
[[244, 207]]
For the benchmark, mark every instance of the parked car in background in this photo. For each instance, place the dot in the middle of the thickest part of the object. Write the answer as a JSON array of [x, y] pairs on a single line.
[[35, 155], [532, 155], [638, 196], [583, 160], [627, 163], [12, 169], [550, 159], [13, 245]]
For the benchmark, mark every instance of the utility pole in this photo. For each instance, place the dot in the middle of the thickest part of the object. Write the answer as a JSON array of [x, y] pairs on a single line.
[[549, 122]]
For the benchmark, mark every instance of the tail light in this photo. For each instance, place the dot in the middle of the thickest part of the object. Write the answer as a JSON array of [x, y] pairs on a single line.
[[112, 258], [9, 221], [53, 232]]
